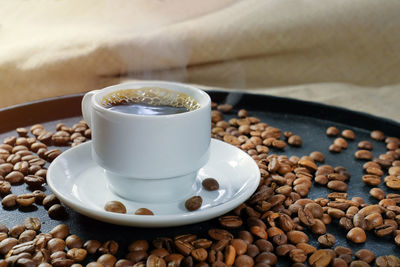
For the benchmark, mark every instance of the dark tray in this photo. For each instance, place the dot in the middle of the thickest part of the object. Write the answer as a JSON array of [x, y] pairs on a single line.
[[307, 119]]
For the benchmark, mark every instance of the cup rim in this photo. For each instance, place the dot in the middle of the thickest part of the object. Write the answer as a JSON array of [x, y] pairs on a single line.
[[139, 84]]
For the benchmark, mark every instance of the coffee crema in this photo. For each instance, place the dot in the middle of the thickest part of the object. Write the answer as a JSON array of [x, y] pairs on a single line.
[[149, 101]]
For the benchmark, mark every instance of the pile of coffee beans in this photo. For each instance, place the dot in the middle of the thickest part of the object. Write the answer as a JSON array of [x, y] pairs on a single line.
[[278, 221]]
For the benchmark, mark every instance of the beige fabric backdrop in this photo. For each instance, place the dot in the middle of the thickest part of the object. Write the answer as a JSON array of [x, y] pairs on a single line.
[[338, 52]]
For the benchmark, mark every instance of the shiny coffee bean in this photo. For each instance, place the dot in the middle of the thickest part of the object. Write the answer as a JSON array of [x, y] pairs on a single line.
[[193, 203], [210, 184], [115, 206]]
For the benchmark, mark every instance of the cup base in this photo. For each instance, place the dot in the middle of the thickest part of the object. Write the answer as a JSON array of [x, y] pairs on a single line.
[[151, 190]]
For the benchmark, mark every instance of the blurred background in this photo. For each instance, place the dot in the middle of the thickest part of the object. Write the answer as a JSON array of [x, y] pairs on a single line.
[[343, 53]]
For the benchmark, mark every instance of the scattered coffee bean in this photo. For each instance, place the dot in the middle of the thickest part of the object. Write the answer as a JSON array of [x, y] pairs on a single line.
[[57, 211], [193, 203], [332, 131], [115, 206], [210, 184], [348, 134], [25, 200], [363, 154], [327, 240], [377, 135], [357, 235], [9, 201], [366, 145], [31, 223], [50, 200]]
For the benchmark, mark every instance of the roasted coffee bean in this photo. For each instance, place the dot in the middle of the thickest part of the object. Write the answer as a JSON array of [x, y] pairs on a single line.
[[109, 247], [14, 177], [50, 155], [5, 168], [244, 261], [210, 184], [317, 156], [384, 229], [225, 108], [373, 220], [25, 200], [115, 206], [137, 256], [143, 211], [50, 200], [74, 241], [60, 138], [27, 235], [9, 201], [332, 131], [267, 258], [320, 257], [7, 244], [335, 148], [57, 211], [341, 142], [39, 196], [356, 235], [346, 223], [372, 180], [348, 134], [365, 145], [327, 240], [363, 154], [92, 246], [297, 255], [296, 237], [387, 261], [365, 255], [5, 187], [34, 181], [393, 183], [377, 135], [219, 234], [32, 223], [337, 185], [16, 230], [56, 244], [230, 221], [108, 260], [199, 254], [122, 263], [193, 203], [77, 254], [38, 145], [306, 217], [295, 140]]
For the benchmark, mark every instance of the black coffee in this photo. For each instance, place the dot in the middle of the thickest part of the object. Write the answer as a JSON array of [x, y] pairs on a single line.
[[145, 109], [149, 101]]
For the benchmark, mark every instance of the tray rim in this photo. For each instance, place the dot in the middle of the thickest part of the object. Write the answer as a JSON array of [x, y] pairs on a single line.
[[75, 99]]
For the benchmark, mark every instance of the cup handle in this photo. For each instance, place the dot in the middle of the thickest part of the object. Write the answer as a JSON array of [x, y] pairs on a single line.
[[87, 107]]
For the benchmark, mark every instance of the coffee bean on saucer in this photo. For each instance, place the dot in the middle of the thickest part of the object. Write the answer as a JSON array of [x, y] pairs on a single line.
[[193, 203], [115, 206], [210, 184], [143, 211]]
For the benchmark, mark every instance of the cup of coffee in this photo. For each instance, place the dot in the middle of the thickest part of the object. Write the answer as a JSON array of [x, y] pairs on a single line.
[[151, 138]]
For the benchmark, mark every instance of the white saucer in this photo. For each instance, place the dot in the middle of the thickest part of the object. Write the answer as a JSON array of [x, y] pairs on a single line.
[[81, 184]]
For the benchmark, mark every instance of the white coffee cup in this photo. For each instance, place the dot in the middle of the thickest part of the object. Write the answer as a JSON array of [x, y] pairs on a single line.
[[149, 158]]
